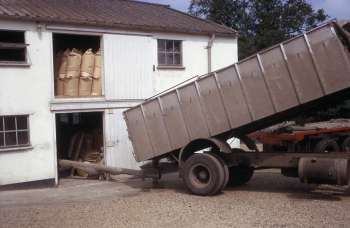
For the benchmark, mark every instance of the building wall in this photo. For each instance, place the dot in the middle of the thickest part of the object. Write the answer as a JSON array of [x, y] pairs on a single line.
[[128, 64], [130, 75], [195, 58], [27, 90], [131, 72], [131, 62], [224, 52]]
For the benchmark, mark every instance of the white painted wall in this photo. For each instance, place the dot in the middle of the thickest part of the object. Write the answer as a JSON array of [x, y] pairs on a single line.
[[130, 60], [195, 58], [129, 75], [128, 65], [224, 52], [27, 90]]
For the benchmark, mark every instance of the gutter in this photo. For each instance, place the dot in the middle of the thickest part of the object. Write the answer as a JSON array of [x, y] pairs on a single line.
[[209, 48]]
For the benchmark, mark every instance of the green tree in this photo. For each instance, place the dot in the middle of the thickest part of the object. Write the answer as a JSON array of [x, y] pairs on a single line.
[[260, 23]]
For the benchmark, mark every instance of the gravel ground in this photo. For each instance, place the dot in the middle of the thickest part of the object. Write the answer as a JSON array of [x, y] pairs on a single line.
[[268, 200]]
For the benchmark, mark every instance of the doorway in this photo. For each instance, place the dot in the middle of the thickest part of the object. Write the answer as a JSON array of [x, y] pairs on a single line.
[[79, 137]]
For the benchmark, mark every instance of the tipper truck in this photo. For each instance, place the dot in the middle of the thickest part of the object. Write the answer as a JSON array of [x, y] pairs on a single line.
[[187, 127]]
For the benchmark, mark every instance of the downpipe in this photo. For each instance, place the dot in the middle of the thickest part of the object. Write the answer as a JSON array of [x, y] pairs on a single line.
[[209, 48]]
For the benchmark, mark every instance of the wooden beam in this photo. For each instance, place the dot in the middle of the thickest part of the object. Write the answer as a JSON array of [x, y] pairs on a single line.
[[96, 169]]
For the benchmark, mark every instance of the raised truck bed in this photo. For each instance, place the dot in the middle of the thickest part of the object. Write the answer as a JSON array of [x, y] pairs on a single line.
[[190, 123]]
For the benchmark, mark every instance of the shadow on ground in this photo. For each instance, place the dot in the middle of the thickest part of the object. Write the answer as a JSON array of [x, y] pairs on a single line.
[[77, 190], [268, 182]]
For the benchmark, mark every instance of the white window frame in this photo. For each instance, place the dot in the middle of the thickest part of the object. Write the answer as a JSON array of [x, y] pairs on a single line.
[[173, 52], [9, 45], [16, 130]]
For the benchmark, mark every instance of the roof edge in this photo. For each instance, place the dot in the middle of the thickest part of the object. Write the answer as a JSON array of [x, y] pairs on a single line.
[[205, 20], [147, 3], [126, 27]]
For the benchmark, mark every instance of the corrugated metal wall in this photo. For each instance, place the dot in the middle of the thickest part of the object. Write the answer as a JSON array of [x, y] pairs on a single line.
[[128, 66]]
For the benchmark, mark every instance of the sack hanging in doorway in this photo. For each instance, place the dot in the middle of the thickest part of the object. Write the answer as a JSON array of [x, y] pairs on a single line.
[[87, 70], [96, 84], [71, 85], [57, 65], [61, 71]]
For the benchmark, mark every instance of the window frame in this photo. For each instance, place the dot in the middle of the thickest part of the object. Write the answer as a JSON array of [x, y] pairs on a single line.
[[16, 130], [15, 46], [173, 52], [83, 34]]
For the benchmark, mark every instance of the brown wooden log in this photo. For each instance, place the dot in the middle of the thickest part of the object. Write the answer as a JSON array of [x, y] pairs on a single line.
[[94, 169]]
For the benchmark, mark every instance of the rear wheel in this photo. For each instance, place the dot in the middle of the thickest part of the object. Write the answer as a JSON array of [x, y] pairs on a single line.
[[239, 175], [226, 170], [203, 174], [326, 145]]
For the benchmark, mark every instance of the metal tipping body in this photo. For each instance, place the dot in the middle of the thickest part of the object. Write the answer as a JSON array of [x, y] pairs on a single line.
[[276, 80]]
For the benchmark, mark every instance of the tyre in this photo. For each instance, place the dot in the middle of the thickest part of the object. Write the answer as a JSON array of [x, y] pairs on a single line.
[[239, 175], [326, 146], [203, 174], [345, 146], [226, 170]]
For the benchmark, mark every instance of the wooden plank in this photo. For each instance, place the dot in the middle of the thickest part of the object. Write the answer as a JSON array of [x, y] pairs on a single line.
[[95, 169]]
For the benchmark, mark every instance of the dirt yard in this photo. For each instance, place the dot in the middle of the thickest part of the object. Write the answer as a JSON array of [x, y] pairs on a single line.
[[269, 200]]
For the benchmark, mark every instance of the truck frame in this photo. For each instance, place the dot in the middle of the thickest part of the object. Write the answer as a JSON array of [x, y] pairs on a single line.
[[326, 136], [186, 128]]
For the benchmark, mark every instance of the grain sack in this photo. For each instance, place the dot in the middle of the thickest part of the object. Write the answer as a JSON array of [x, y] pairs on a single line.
[[71, 83], [96, 78], [57, 64], [87, 63], [59, 87], [85, 84], [71, 87], [87, 70], [61, 71]]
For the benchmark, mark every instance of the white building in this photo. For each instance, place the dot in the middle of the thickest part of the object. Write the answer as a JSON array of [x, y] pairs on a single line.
[[146, 48]]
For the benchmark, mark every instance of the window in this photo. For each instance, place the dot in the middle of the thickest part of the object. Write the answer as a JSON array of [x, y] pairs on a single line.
[[77, 55], [14, 131], [12, 47], [169, 53]]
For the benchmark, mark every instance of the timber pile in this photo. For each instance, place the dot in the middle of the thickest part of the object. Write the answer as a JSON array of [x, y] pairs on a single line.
[[78, 74], [86, 147]]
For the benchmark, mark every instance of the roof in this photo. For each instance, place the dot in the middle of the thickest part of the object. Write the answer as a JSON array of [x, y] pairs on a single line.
[[122, 14]]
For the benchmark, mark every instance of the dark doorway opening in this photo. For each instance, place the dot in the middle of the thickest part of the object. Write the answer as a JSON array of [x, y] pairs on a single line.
[[79, 137]]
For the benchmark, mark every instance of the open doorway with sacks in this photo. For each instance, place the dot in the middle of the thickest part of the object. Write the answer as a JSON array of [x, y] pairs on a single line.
[[77, 65], [79, 137]]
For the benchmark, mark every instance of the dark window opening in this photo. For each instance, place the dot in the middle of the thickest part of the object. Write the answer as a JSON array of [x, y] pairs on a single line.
[[65, 45], [61, 42], [12, 47], [14, 131], [79, 138], [170, 52]]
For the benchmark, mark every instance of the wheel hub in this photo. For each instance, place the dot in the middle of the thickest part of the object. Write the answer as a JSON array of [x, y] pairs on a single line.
[[201, 174]]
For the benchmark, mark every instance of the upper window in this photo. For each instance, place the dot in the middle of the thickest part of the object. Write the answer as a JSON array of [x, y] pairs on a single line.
[[12, 47], [169, 53], [14, 131]]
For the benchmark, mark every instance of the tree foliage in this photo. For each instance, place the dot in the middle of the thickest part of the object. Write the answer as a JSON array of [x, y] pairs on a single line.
[[260, 23]]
